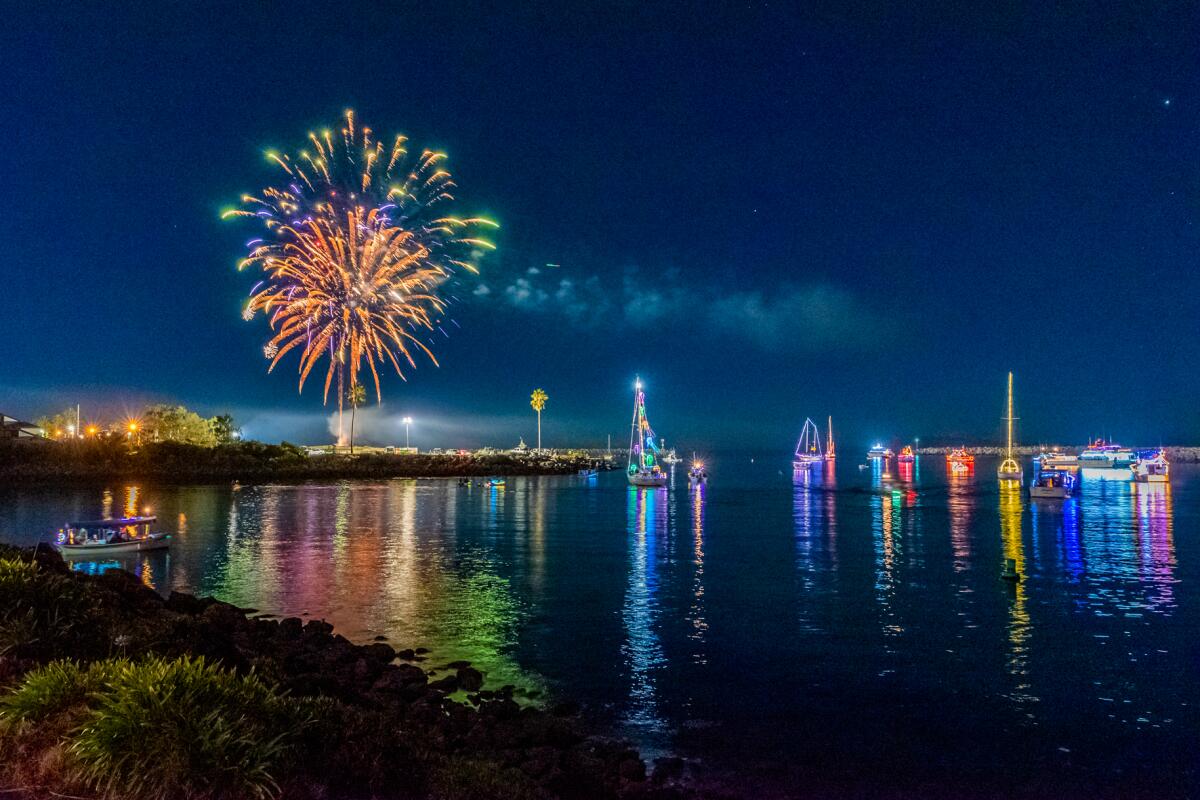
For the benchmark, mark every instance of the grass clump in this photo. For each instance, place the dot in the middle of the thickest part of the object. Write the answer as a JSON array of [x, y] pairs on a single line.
[[163, 728], [55, 688], [38, 611]]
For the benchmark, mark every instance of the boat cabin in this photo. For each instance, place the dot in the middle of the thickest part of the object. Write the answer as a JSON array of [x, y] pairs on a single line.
[[106, 530]]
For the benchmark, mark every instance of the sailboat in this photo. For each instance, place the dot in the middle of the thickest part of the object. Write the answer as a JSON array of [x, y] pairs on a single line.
[[830, 453], [1009, 470], [643, 467], [808, 449]]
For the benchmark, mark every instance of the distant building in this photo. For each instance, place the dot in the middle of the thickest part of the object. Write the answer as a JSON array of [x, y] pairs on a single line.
[[13, 428]]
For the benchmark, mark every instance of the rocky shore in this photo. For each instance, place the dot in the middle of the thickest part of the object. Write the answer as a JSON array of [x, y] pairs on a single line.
[[373, 721]]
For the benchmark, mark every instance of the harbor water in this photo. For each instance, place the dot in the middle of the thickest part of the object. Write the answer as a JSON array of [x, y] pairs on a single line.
[[832, 634]]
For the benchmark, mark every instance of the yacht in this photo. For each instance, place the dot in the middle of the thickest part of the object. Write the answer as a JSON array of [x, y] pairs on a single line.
[[1056, 459], [1106, 455], [879, 451]]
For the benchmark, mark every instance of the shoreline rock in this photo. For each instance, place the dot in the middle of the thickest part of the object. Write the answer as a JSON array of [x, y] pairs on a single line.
[[434, 741]]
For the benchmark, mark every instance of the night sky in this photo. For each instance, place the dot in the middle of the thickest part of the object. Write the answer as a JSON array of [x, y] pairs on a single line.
[[768, 213]]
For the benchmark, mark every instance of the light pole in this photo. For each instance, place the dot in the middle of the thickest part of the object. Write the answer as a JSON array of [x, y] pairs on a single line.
[[407, 423]]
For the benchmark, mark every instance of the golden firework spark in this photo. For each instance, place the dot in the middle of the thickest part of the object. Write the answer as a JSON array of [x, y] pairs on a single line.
[[356, 252]]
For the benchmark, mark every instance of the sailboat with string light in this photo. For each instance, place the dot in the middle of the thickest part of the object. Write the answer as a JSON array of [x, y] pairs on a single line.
[[808, 449], [643, 469], [1009, 470], [830, 452]]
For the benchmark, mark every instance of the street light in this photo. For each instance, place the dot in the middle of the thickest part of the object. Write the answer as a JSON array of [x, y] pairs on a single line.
[[407, 422]]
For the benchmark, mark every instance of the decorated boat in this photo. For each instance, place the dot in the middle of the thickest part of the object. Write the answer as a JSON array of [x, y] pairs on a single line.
[[697, 473], [108, 538], [643, 469], [1053, 484], [1151, 466], [1009, 469], [879, 451], [907, 456], [808, 448], [960, 462], [830, 451], [1106, 455], [1056, 459]]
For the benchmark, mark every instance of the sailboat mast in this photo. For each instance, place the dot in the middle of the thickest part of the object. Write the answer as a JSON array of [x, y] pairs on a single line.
[[829, 441], [633, 437], [1010, 416]]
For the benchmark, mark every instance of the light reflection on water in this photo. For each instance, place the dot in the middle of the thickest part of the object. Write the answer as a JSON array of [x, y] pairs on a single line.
[[788, 618]]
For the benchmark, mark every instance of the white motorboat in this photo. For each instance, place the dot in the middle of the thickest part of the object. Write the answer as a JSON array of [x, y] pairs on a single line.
[[110, 538], [1106, 455], [1053, 484], [1056, 459]]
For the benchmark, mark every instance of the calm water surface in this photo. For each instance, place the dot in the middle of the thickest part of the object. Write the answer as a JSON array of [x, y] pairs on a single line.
[[832, 636]]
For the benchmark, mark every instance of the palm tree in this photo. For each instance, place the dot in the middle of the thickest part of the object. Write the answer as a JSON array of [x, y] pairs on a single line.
[[538, 401], [356, 396]]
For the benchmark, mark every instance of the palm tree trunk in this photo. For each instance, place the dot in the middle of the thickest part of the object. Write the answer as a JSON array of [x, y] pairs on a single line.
[[539, 429], [353, 410]]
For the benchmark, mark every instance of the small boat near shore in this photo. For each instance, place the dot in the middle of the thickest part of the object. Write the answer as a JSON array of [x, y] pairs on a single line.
[[109, 538]]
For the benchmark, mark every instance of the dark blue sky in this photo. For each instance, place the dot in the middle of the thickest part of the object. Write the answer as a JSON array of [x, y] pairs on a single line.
[[768, 213]]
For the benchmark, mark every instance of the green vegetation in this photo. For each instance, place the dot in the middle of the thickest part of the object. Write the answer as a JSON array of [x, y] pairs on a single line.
[[39, 614], [161, 728], [164, 423]]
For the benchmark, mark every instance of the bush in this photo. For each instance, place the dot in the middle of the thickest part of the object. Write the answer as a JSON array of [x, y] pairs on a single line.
[[54, 689], [39, 612], [162, 728], [186, 728]]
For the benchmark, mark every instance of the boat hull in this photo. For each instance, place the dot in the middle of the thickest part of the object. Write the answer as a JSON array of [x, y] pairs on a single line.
[[648, 481], [97, 550], [1049, 492], [1010, 476]]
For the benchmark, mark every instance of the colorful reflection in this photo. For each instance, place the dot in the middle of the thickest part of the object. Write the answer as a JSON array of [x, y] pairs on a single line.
[[886, 530], [1019, 626], [696, 617], [642, 651], [960, 502]]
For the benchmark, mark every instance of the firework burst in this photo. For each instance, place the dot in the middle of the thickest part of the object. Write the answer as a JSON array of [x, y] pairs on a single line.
[[359, 246]]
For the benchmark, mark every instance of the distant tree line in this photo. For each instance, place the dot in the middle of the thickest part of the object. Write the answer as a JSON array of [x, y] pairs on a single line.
[[160, 422]]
